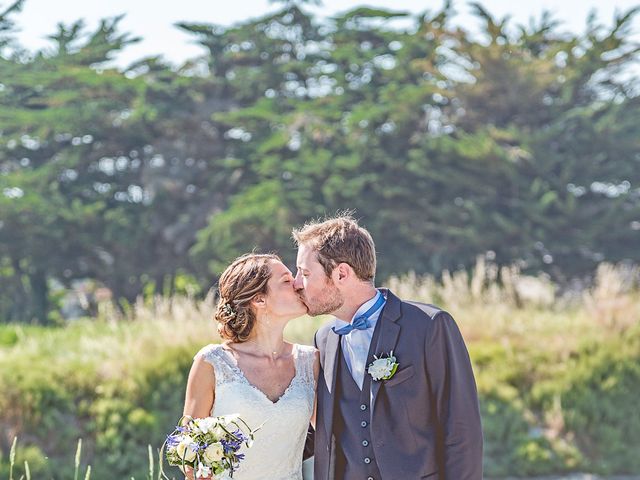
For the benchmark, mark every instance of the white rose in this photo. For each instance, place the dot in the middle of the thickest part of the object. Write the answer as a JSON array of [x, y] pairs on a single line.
[[218, 432], [185, 451], [214, 453]]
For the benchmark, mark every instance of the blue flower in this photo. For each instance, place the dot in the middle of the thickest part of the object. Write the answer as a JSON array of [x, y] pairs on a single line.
[[173, 440]]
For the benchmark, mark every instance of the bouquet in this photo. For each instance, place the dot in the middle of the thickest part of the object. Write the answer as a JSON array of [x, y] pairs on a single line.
[[211, 445]]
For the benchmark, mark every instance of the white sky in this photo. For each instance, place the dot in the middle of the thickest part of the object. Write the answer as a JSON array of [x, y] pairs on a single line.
[[153, 19]]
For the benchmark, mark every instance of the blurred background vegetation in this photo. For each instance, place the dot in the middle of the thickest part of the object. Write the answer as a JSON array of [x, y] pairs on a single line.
[[512, 159]]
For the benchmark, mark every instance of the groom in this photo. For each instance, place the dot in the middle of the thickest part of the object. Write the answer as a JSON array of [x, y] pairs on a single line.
[[415, 414]]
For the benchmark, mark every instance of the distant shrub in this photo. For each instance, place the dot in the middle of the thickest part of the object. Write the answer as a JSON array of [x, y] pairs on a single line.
[[599, 400]]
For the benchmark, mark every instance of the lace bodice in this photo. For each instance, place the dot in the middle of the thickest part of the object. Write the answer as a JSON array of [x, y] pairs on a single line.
[[277, 451]]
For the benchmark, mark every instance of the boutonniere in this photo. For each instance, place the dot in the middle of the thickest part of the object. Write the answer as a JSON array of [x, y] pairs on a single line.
[[383, 368]]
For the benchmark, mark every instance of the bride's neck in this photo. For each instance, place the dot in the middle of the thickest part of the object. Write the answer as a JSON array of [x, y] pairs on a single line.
[[267, 337]]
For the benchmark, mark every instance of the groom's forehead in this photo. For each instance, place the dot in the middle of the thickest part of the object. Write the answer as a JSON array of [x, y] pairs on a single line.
[[307, 256]]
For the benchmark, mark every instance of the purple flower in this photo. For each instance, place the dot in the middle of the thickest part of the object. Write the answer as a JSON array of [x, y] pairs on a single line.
[[173, 441], [230, 446]]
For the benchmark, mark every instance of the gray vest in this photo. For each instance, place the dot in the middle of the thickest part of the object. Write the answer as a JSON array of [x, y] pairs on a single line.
[[355, 456]]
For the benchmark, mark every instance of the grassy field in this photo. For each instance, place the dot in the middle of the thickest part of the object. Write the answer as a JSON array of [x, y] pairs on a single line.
[[558, 374]]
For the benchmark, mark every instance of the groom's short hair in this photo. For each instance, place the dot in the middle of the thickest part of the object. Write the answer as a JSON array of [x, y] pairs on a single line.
[[340, 240]]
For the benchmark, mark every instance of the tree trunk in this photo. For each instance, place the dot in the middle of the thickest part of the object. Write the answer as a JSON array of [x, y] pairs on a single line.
[[40, 296]]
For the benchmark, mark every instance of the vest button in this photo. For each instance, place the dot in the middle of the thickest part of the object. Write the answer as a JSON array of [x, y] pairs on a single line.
[[363, 424], [369, 478], [367, 460], [363, 407], [365, 443]]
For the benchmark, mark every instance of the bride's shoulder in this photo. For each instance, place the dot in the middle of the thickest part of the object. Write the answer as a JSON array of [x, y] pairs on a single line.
[[307, 352], [208, 352]]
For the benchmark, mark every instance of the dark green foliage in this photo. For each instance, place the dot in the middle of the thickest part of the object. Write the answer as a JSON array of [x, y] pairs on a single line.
[[446, 147]]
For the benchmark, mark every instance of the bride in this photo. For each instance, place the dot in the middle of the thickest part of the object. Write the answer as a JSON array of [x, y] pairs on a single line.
[[255, 372]]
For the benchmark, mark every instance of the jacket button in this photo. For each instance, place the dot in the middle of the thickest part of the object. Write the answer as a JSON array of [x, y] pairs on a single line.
[[363, 424], [369, 478], [367, 460], [365, 443], [363, 407]]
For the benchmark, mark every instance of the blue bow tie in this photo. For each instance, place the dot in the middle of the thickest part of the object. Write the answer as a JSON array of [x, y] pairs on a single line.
[[361, 322]]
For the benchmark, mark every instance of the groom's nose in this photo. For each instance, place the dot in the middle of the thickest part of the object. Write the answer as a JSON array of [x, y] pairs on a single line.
[[297, 282]]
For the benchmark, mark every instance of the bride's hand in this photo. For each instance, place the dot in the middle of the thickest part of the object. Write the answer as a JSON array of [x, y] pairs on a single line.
[[188, 474]]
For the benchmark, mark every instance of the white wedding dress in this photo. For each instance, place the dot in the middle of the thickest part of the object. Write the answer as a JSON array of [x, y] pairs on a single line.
[[276, 453]]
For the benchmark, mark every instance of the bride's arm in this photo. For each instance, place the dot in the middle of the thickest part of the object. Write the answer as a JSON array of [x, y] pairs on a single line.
[[201, 386], [200, 394]]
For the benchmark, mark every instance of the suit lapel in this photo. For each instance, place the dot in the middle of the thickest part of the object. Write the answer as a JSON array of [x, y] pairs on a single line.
[[330, 360], [330, 371], [386, 342]]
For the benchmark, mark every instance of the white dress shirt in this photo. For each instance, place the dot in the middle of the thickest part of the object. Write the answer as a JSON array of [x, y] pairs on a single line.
[[355, 345]]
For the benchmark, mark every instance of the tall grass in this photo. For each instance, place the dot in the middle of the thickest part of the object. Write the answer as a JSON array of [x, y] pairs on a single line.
[[87, 476], [502, 304]]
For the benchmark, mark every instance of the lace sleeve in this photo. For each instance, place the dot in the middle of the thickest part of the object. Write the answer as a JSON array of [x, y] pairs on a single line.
[[214, 355], [207, 353]]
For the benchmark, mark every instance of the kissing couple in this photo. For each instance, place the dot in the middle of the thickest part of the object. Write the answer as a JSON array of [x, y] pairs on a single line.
[[388, 388]]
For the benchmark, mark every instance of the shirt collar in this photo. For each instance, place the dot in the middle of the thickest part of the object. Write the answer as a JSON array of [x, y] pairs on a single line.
[[363, 308]]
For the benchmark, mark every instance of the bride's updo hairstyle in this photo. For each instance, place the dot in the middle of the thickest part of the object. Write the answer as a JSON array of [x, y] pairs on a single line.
[[245, 278]]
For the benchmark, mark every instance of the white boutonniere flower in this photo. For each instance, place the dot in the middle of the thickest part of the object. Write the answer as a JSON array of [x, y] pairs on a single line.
[[383, 368]]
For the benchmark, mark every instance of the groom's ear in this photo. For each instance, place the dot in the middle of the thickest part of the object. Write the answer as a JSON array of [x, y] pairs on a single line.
[[342, 272]]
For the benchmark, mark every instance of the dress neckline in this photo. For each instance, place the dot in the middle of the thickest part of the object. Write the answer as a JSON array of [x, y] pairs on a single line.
[[233, 363]]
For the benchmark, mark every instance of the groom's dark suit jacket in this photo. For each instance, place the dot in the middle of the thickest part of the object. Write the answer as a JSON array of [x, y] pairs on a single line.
[[425, 420]]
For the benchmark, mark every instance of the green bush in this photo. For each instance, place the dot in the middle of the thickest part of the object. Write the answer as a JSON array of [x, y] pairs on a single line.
[[126, 420], [513, 439], [39, 467], [599, 397]]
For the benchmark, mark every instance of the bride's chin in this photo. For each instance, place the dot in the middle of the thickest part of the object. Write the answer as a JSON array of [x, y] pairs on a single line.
[[303, 310], [299, 312]]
